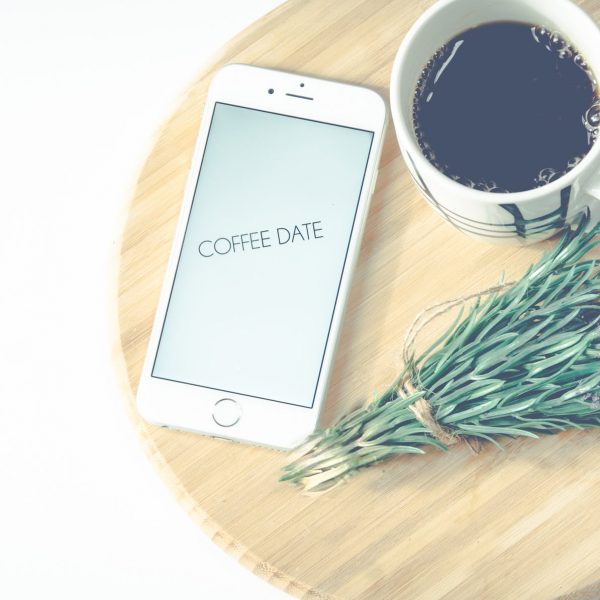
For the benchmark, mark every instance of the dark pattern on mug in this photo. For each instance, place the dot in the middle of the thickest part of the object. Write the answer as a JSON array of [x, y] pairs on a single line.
[[554, 220]]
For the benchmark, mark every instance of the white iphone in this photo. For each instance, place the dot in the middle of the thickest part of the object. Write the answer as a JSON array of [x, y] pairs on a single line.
[[264, 250]]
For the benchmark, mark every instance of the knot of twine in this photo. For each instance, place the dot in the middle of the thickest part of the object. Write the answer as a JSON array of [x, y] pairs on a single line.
[[424, 414], [421, 408], [422, 411]]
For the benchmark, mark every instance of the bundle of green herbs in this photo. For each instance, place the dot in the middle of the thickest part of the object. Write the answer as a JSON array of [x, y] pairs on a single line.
[[521, 360]]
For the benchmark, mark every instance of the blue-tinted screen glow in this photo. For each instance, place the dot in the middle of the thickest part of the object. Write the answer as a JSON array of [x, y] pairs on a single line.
[[265, 246]]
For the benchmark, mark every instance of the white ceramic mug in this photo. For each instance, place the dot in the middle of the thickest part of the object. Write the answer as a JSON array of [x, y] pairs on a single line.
[[520, 217]]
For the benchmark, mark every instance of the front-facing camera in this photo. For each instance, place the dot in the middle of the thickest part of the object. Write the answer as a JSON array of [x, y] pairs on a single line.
[[271, 90]]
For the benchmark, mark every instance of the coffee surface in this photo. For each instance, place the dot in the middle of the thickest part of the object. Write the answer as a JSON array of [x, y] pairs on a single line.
[[506, 107]]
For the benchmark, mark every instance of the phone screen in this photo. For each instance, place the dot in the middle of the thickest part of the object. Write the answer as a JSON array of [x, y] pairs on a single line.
[[265, 246]]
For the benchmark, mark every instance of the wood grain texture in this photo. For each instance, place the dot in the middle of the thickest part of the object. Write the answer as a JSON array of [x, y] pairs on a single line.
[[523, 523]]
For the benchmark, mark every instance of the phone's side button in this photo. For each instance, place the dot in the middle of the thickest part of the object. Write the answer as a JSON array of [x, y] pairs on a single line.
[[374, 182], [226, 412]]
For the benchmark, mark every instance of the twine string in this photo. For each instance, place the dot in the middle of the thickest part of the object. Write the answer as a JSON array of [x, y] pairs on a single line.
[[425, 317], [422, 408], [422, 411]]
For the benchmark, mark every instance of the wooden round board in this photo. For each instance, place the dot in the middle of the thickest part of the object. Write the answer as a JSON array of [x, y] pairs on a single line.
[[523, 523]]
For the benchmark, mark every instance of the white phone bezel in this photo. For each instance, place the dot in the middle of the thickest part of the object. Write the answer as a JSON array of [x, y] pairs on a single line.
[[189, 407]]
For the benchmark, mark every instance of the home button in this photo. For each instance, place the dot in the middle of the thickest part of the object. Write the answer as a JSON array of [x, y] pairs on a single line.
[[227, 412]]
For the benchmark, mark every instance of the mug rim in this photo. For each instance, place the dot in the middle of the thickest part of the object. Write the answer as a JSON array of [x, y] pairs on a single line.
[[408, 139]]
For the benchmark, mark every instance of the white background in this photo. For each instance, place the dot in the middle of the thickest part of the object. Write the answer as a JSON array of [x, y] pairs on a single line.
[[85, 86]]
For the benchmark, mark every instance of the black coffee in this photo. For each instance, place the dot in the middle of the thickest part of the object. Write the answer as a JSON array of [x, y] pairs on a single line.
[[506, 107]]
